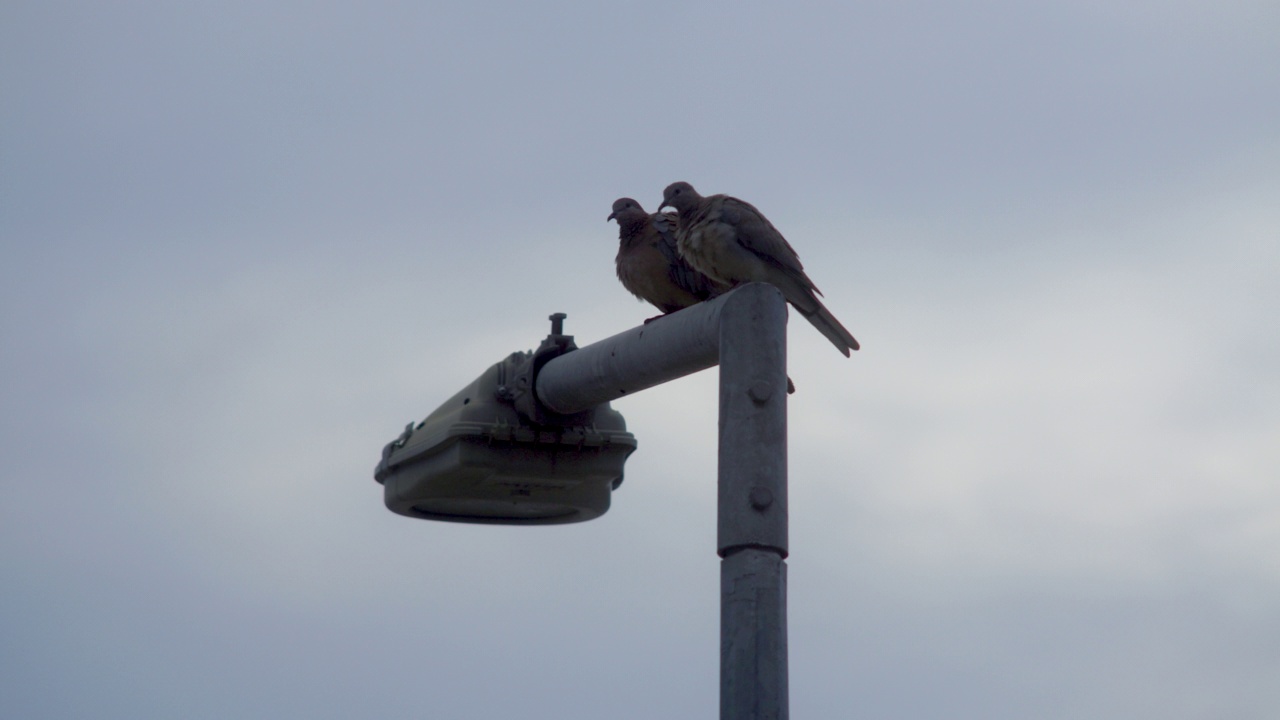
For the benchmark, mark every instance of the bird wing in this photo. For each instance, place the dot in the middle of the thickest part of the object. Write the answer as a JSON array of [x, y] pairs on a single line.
[[681, 272], [757, 234], [731, 220]]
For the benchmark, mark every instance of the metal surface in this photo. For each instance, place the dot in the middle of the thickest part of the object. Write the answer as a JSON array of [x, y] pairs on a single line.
[[752, 525], [665, 349], [753, 423], [753, 636], [744, 331]]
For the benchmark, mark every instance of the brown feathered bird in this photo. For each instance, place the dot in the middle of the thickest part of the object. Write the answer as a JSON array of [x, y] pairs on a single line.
[[731, 242], [650, 266]]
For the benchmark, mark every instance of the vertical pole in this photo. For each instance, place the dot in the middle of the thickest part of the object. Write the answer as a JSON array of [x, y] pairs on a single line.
[[752, 522]]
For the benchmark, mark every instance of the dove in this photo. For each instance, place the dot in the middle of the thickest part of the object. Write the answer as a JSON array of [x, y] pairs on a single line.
[[650, 266], [731, 242]]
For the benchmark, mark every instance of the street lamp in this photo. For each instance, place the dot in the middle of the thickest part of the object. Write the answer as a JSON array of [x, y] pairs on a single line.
[[493, 454], [543, 446]]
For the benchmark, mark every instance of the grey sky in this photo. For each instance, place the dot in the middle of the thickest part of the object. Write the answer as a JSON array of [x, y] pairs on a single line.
[[244, 244]]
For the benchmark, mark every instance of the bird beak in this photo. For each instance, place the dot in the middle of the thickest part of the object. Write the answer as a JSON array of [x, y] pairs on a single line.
[[611, 216], [664, 204]]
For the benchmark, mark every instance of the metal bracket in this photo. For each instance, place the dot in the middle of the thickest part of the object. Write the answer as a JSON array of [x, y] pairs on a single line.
[[520, 392]]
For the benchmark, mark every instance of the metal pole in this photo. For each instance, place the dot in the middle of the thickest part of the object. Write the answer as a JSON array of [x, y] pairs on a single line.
[[752, 527], [745, 332], [670, 347]]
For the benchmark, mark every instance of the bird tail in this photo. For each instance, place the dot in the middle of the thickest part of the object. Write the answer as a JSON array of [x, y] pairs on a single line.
[[803, 296], [829, 326]]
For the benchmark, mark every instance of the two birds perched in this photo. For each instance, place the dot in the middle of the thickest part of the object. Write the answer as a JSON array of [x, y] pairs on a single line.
[[707, 247]]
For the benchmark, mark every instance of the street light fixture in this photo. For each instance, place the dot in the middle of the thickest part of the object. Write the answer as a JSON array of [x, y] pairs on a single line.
[[543, 446], [492, 454]]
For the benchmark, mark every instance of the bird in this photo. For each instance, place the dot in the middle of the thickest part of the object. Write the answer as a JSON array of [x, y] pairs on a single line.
[[732, 242], [650, 266]]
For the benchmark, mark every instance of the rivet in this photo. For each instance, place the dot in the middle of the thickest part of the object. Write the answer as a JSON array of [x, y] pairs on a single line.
[[760, 391], [760, 498]]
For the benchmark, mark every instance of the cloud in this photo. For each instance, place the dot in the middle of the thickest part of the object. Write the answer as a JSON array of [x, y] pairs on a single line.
[[246, 245]]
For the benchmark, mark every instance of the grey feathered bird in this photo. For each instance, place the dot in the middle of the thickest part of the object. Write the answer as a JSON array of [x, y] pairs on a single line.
[[732, 242], [650, 266]]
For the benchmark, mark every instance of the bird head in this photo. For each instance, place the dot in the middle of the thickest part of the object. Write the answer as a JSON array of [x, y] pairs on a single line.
[[622, 207], [679, 195]]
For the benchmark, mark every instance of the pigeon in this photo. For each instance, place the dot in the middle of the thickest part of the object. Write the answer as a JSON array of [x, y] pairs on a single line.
[[731, 242], [649, 265]]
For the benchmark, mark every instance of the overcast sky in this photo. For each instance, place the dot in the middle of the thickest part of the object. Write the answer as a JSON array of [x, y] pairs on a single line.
[[244, 243]]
